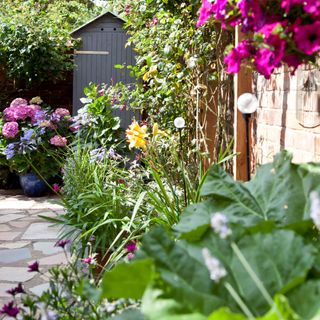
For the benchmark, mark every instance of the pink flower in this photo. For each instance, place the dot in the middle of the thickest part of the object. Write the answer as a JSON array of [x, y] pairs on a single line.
[[10, 129], [91, 259], [206, 10], [288, 4], [234, 58], [32, 110], [10, 310], [312, 7], [252, 15], [62, 112], [56, 188], [131, 246], [307, 37], [266, 61], [130, 256], [9, 114], [21, 112], [58, 141], [292, 60], [17, 102], [34, 267]]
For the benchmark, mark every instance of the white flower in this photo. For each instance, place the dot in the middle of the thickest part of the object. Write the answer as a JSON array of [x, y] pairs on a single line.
[[219, 224], [216, 269], [315, 208], [192, 62]]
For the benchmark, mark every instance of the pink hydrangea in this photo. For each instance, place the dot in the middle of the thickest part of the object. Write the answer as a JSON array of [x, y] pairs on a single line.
[[307, 37], [32, 110], [58, 141], [9, 114], [10, 129], [17, 102], [21, 112], [62, 112]]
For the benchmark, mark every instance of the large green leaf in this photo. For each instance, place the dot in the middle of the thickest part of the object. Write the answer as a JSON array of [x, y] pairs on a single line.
[[155, 306], [184, 274], [129, 314], [128, 280], [281, 310], [225, 314], [277, 193], [280, 260], [306, 299]]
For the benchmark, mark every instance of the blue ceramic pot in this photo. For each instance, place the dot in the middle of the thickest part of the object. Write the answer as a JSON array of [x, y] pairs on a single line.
[[32, 185]]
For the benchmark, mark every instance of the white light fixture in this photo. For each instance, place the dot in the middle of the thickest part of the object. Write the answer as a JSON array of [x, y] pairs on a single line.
[[247, 103], [179, 123]]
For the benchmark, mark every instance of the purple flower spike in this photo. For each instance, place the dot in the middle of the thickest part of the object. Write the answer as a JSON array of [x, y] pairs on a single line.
[[62, 243], [10, 310], [34, 267], [16, 290]]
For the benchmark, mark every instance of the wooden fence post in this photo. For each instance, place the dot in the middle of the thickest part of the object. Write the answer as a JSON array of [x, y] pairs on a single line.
[[242, 84]]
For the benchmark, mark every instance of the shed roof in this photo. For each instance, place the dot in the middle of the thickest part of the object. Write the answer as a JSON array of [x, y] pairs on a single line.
[[96, 19]]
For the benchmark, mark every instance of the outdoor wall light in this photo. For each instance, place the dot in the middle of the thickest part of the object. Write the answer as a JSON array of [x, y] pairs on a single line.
[[180, 123], [247, 104]]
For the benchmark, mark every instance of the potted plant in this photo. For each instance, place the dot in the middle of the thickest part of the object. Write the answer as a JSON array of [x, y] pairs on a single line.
[[34, 139]]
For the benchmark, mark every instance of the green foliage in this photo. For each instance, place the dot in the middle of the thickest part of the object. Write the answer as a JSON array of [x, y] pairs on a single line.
[[35, 44], [98, 127], [270, 258], [101, 198]]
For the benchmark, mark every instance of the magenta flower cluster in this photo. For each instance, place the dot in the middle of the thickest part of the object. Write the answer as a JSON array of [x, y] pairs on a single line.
[[276, 32]]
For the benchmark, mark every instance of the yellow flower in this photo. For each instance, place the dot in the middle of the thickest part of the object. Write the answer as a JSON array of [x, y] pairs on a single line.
[[156, 131], [137, 135]]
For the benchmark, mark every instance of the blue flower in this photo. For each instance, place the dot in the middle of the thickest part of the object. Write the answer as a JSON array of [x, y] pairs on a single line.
[[27, 135], [10, 150]]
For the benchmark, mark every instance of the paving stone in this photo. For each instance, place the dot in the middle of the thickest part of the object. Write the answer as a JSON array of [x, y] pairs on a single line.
[[52, 260], [3, 227], [7, 211], [10, 217], [4, 287], [14, 245], [49, 214], [19, 224], [46, 247], [14, 255], [15, 274], [41, 230], [38, 290], [8, 236]]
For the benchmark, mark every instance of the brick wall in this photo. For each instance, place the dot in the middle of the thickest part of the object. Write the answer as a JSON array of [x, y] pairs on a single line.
[[288, 116]]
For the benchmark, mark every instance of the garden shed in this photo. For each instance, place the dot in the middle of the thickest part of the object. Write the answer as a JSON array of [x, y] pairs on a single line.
[[103, 45]]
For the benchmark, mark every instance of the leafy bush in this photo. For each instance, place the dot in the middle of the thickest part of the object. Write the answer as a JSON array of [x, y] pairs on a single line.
[[256, 241], [95, 123], [35, 44]]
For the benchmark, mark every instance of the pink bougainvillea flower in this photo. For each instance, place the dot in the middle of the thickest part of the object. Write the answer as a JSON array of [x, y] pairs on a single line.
[[252, 15], [288, 4], [265, 61], [10, 310], [10, 129], [206, 10], [293, 61], [59, 141], [312, 7], [235, 57], [307, 37], [17, 102]]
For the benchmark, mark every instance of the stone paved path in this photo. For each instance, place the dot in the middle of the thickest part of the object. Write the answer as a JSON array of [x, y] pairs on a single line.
[[24, 238]]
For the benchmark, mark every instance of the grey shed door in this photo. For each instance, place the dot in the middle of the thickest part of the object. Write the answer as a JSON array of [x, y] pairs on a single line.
[[109, 43]]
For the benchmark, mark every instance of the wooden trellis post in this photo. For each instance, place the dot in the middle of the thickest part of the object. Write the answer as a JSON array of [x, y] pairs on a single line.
[[242, 84]]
